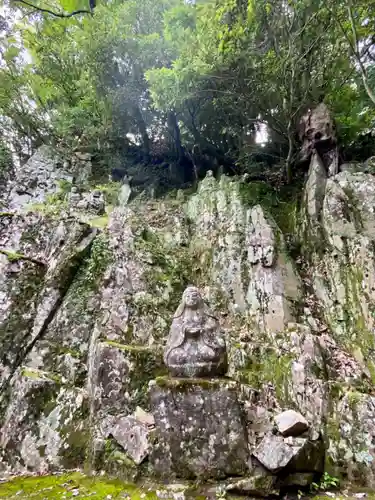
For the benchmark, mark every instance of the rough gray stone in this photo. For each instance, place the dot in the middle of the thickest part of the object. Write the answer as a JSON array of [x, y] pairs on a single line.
[[316, 126], [132, 435], [40, 177], [120, 375], [317, 132], [314, 196], [276, 452], [291, 423], [295, 454], [200, 429]]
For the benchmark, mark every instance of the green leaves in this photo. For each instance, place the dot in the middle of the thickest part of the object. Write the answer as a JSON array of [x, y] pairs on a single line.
[[219, 67]]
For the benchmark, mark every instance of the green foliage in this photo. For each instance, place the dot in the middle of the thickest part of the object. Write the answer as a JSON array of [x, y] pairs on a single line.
[[353, 112], [138, 80], [327, 482], [221, 492], [98, 261], [110, 191], [55, 205]]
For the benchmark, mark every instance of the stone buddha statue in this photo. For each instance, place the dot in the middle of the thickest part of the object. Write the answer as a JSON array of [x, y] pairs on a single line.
[[195, 346]]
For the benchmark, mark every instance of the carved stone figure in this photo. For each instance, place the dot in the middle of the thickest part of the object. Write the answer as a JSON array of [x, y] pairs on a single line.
[[97, 203], [74, 197], [195, 346]]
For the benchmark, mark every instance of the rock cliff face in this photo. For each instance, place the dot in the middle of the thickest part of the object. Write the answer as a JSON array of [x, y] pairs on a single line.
[[85, 311]]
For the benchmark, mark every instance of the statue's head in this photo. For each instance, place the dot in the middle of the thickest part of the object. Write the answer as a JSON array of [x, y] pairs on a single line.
[[192, 298]]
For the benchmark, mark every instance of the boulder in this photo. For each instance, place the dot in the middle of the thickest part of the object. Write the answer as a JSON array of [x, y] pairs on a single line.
[[292, 453], [275, 452], [144, 417], [120, 376], [291, 423]]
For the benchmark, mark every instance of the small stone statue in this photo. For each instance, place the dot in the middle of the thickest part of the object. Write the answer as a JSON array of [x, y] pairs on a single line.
[[74, 196], [97, 203], [195, 346]]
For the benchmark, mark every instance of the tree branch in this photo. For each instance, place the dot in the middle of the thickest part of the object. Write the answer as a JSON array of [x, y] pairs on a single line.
[[56, 14], [354, 48]]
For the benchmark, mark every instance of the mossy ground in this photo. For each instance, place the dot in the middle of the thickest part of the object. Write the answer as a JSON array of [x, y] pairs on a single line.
[[77, 485], [67, 485]]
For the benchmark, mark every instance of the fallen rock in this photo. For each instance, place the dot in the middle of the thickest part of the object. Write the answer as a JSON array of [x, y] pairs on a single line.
[[297, 454], [275, 452], [258, 485], [291, 423], [132, 435]]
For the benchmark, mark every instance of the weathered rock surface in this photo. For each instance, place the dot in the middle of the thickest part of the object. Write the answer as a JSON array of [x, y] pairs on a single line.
[[200, 429], [275, 452], [291, 423], [274, 286], [41, 176], [254, 275]]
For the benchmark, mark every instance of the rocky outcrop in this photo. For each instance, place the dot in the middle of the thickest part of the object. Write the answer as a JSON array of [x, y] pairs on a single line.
[[340, 273], [274, 287], [85, 313], [317, 132], [244, 253]]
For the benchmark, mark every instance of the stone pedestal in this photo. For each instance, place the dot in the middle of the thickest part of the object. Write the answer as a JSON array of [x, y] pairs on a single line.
[[200, 431]]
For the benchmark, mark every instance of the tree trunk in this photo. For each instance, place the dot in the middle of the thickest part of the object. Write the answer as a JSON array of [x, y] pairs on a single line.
[[142, 130], [174, 131], [288, 161]]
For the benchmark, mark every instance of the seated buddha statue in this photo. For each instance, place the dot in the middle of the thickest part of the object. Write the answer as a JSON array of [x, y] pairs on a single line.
[[195, 346]]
